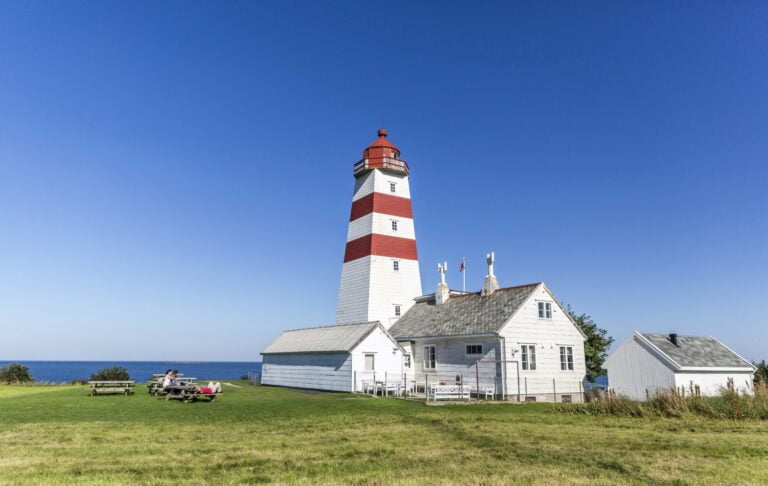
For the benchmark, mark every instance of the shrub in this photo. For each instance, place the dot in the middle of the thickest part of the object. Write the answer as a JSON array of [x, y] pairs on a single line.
[[15, 373], [114, 373], [730, 404]]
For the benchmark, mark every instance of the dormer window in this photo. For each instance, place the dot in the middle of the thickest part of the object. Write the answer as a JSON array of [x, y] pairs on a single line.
[[545, 310], [392, 187]]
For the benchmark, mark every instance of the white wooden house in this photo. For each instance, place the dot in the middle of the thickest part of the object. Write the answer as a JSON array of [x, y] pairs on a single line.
[[518, 340], [331, 357], [646, 363]]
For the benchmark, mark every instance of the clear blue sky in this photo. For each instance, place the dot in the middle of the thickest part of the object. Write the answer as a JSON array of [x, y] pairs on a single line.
[[175, 178]]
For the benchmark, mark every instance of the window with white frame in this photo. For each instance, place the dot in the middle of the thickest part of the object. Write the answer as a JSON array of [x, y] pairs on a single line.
[[566, 358], [392, 187], [407, 360], [473, 350], [396, 265], [370, 361], [545, 310], [394, 225], [397, 310], [528, 357], [430, 356]]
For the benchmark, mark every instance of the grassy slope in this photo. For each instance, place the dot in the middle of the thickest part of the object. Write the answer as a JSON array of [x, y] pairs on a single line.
[[254, 434]]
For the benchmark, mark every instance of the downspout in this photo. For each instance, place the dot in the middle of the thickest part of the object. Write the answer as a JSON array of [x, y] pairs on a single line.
[[503, 367]]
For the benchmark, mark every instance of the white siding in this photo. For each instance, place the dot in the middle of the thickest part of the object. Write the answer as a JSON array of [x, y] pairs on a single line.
[[388, 359], [370, 288], [378, 181], [317, 371], [633, 370], [353, 291], [548, 382], [451, 360], [711, 384], [381, 224]]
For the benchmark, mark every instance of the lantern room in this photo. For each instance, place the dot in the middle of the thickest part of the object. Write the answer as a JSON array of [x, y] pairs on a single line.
[[381, 154]]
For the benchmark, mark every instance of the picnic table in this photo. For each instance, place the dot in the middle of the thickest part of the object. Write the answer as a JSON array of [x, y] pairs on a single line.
[[155, 385], [111, 386], [188, 393]]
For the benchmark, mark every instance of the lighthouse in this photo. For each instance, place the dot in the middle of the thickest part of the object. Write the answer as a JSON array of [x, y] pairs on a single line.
[[380, 276]]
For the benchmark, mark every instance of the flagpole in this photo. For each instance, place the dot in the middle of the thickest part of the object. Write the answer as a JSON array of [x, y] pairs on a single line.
[[464, 274]]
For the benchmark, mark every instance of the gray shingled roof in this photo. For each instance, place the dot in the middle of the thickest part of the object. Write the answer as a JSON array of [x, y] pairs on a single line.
[[328, 339], [697, 351], [462, 314]]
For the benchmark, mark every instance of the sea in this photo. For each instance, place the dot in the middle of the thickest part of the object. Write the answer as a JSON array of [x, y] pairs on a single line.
[[68, 371]]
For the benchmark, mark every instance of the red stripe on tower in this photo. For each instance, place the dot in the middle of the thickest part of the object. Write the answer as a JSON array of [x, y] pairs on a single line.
[[377, 202], [381, 245]]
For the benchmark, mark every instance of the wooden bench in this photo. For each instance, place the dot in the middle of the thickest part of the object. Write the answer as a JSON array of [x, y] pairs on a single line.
[[448, 392], [112, 386]]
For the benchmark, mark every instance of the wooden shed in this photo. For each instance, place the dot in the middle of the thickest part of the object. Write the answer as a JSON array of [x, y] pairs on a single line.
[[332, 357]]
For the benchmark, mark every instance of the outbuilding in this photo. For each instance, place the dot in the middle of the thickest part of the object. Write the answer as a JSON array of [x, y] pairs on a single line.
[[646, 363], [332, 357]]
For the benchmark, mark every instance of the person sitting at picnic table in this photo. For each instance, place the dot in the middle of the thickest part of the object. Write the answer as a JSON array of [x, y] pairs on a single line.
[[168, 380]]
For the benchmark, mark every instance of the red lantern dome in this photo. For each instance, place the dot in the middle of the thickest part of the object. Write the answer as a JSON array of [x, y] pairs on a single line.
[[381, 154]]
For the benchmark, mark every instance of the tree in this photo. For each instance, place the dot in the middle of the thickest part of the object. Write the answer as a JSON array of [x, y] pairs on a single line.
[[761, 373], [115, 373], [596, 343], [15, 373]]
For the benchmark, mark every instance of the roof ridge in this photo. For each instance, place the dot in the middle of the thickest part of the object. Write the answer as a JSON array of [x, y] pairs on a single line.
[[331, 325]]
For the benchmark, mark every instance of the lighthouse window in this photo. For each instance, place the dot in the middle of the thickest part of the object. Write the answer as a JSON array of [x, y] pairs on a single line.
[[396, 265], [397, 310], [392, 187], [394, 225]]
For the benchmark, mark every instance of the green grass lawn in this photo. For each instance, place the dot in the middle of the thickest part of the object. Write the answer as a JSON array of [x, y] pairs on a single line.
[[262, 434]]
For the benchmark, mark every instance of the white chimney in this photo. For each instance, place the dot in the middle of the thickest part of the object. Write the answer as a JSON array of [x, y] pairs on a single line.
[[442, 293], [490, 284]]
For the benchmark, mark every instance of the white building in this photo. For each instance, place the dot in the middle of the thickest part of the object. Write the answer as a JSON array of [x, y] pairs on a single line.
[[646, 363], [516, 339], [332, 357]]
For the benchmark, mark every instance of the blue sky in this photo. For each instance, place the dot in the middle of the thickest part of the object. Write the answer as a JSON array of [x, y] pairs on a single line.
[[175, 178]]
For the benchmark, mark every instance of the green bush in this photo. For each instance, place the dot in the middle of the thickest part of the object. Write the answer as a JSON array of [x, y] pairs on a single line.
[[114, 373], [15, 373]]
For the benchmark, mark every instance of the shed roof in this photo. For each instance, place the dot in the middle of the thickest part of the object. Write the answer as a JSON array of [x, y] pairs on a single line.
[[462, 314], [696, 351], [327, 339]]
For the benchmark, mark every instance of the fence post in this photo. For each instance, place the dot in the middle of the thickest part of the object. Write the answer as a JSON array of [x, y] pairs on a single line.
[[354, 382], [526, 385], [426, 393], [581, 392], [477, 380], [554, 391]]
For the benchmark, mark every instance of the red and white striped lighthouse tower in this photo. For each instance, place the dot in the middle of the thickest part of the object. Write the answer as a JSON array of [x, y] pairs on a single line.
[[380, 276]]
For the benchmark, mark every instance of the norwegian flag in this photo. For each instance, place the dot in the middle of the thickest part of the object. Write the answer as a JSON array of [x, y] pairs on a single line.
[[461, 265]]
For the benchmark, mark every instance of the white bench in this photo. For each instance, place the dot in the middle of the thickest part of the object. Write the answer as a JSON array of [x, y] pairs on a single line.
[[448, 392], [485, 391]]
